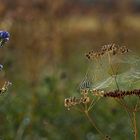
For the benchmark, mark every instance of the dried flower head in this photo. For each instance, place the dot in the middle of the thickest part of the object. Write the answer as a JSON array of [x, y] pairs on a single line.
[[94, 55], [96, 92], [73, 101], [111, 49], [5, 87], [107, 138], [122, 94], [115, 93]]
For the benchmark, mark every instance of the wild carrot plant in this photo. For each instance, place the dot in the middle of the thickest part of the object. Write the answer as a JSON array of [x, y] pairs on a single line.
[[113, 73]]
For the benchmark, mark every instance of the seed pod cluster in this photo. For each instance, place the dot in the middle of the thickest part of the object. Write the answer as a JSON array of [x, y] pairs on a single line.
[[97, 92], [122, 94], [111, 49], [72, 101], [5, 87], [107, 138]]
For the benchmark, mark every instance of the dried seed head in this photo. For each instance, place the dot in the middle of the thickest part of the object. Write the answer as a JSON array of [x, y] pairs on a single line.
[[122, 94], [84, 92], [67, 102], [85, 100], [111, 49], [123, 50], [72, 101], [88, 56], [5, 87], [107, 138], [94, 55], [96, 92]]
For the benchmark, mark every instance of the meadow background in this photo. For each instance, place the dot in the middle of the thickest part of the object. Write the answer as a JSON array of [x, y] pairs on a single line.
[[45, 61]]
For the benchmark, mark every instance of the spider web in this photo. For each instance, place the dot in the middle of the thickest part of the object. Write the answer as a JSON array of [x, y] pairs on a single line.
[[106, 72]]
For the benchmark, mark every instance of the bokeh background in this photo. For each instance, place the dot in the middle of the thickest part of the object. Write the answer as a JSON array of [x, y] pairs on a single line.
[[45, 61]]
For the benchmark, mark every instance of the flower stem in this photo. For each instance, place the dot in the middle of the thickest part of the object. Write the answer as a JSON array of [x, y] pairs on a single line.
[[93, 123], [135, 125]]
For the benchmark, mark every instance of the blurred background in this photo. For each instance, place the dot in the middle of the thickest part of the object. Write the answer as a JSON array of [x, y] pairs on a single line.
[[45, 61]]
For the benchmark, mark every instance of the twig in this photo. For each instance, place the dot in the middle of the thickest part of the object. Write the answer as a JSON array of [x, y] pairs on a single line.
[[135, 125], [93, 123]]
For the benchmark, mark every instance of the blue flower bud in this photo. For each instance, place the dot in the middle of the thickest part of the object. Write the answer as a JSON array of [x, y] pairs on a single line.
[[4, 37], [4, 34]]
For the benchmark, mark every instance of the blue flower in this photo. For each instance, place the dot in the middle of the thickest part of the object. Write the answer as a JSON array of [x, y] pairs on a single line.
[[4, 37]]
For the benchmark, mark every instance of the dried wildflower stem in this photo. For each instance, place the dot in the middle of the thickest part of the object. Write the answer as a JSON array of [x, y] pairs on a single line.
[[136, 106], [132, 115], [127, 111], [99, 62], [119, 101], [114, 74], [134, 122], [86, 106], [123, 103], [115, 78], [82, 107], [78, 109], [135, 125], [139, 104], [93, 123], [93, 102]]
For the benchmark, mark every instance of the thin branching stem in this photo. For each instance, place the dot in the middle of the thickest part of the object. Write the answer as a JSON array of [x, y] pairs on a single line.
[[93, 123], [78, 109], [114, 74], [135, 125], [127, 111], [130, 112], [93, 102], [137, 104]]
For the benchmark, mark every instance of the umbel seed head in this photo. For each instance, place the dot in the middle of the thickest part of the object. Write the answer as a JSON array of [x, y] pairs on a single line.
[[5, 87], [111, 49]]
